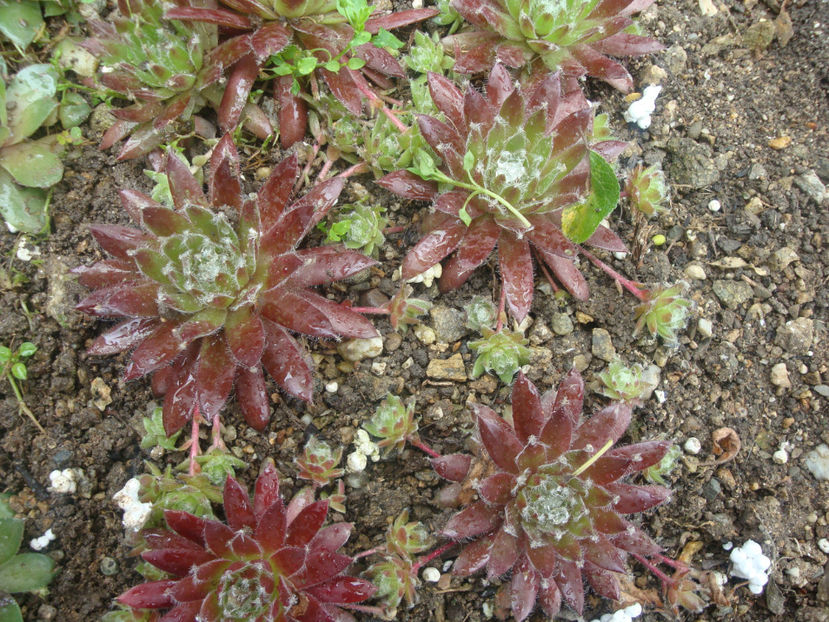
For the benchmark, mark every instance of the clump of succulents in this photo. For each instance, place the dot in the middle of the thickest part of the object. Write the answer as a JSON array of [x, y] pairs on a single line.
[[647, 190], [623, 383], [338, 41], [517, 173], [184, 493], [393, 423], [502, 352], [170, 69], [359, 227], [571, 35], [268, 562], [551, 504], [19, 572], [318, 462], [205, 304], [395, 575], [664, 312]]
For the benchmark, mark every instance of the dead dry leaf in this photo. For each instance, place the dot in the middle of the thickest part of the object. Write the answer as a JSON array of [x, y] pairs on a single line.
[[726, 444], [783, 27]]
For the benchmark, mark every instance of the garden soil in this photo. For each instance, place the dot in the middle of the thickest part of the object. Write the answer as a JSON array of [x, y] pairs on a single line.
[[741, 131]]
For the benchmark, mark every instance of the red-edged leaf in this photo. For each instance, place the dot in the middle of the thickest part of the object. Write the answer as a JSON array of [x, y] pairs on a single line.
[[473, 250], [502, 554], [163, 221], [180, 396], [123, 337], [607, 469], [176, 561], [152, 595], [634, 540], [472, 557], [287, 362], [115, 133], [186, 524], [603, 582], [445, 140], [432, 248], [527, 415], [238, 510], [214, 375], [245, 336], [224, 187], [302, 215], [299, 502], [569, 397], [568, 579], [289, 560], [379, 60], [642, 455], [220, 17], [556, 434], [497, 488], [106, 273], [609, 423], [605, 239], [609, 149], [447, 98], [533, 456], [186, 611], [320, 567], [544, 559], [548, 238], [398, 19], [604, 68], [217, 537], [244, 546], [344, 88], [626, 44], [323, 265], [343, 590], [608, 521], [453, 467], [549, 597], [568, 275], [474, 520], [172, 111], [523, 590], [546, 94], [498, 438], [306, 312], [118, 241], [598, 550], [274, 194], [499, 86], [631, 499], [239, 82], [332, 537], [307, 523], [252, 395], [477, 110], [143, 139], [266, 491], [184, 188], [409, 186], [293, 112], [156, 351], [269, 39], [135, 202]]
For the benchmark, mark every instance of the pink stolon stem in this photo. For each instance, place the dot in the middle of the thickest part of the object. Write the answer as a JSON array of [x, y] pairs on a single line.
[[429, 557], [194, 441], [629, 285], [666, 580]]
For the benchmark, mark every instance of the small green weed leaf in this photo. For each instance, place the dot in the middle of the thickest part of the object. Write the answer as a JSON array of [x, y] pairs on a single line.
[[11, 535], [332, 66], [306, 65], [73, 110], [31, 99], [33, 164], [19, 371], [355, 63], [282, 69], [384, 39], [468, 161], [356, 12], [10, 612], [360, 38], [464, 216], [580, 221], [26, 572], [20, 21], [5, 355], [24, 209], [26, 349]]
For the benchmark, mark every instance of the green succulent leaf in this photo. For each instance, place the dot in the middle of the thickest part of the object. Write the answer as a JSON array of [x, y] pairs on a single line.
[[10, 612], [580, 221], [20, 21], [26, 572], [11, 535], [24, 209], [154, 434]]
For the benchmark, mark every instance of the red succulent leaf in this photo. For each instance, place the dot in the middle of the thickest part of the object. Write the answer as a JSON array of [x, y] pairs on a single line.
[[608, 469], [516, 273], [186, 524], [156, 351], [544, 559], [224, 186], [602, 581], [475, 520], [604, 68], [343, 86], [445, 141], [269, 39], [306, 524], [409, 186], [180, 395], [176, 561], [329, 263], [106, 273], [601, 553], [570, 396], [319, 567], [608, 522], [379, 60], [568, 275], [631, 499], [123, 337], [478, 110], [642, 455], [473, 557], [311, 314], [473, 250], [245, 336], [557, 433], [498, 438], [184, 187], [343, 590], [398, 19], [123, 301], [332, 537], [605, 239], [609, 423], [214, 375], [236, 92], [118, 241], [238, 510], [293, 112], [503, 554], [448, 98], [497, 488], [499, 86], [217, 538], [523, 590], [287, 362], [252, 394], [220, 17], [634, 540], [569, 581], [549, 597], [432, 248], [527, 414], [453, 467], [274, 194], [153, 595]]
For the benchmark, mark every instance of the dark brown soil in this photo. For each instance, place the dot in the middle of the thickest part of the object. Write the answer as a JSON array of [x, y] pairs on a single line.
[[726, 101]]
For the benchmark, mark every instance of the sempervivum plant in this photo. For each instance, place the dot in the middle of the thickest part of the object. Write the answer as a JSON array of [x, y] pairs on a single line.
[[517, 163], [331, 38], [550, 507], [269, 563], [573, 35], [207, 304], [170, 70]]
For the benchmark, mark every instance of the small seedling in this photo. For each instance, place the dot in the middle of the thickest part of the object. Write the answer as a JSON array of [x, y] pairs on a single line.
[[318, 462], [502, 352], [405, 310], [14, 369], [647, 190], [664, 312], [481, 313], [19, 572], [154, 434], [394, 423], [358, 227], [622, 383], [656, 473]]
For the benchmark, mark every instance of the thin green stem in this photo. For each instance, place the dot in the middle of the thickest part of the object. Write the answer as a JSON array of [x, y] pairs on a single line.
[[22, 404], [476, 189]]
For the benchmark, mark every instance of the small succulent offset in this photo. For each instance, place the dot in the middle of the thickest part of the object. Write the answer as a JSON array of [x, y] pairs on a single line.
[[393, 422], [540, 35], [337, 40], [318, 462], [647, 190], [184, 493], [395, 575], [19, 572], [502, 352], [207, 304], [405, 310], [656, 473], [170, 69], [664, 312], [155, 435], [622, 383], [551, 506], [481, 313], [359, 227], [270, 562], [513, 160]]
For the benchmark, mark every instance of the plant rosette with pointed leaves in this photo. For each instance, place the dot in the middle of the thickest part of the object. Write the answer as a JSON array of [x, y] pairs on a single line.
[[550, 499], [269, 562], [546, 35], [519, 169], [171, 69], [207, 305], [320, 36], [647, 190], [664, 311], [318, 462], [502, 352]]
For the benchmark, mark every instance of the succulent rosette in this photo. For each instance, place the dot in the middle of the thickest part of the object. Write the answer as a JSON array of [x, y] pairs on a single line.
[[571, 35], [514, 160], [207, 304], [171, 69], [551, 502], [269, 562], [314, 26]]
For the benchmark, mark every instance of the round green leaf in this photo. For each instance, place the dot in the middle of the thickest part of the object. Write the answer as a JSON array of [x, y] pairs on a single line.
[[20, 21], [580, 221], [11, 535], [26, 349], [5, 355], [355, 63], [306, 65], [19, 371], [26, 572], [32, 164], [30, 98], [10, 612], [73, 110], [24, 209]]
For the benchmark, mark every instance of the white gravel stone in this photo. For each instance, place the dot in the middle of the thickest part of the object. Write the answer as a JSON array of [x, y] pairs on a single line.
[[817, 461], [332, 387], [431, 575], [780, 456], [65, 481], [780, 376], [714, 205], [750, 563], [38, 544], [705, 327], [692, 446], [135, 512], [695, 271], [823, 545], [358, 349], [640, 111]]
